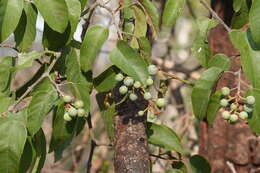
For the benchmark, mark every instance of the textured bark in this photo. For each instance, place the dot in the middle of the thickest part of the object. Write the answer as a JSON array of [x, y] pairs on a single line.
[[131, 146], [222, 143]]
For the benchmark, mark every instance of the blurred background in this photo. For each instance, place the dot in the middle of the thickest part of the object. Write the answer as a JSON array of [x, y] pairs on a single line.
[[170, 52]]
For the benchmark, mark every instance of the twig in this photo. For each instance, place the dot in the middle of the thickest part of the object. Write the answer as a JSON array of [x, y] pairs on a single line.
[[231, 167], [30, 88], [172, 76], [215, 15]]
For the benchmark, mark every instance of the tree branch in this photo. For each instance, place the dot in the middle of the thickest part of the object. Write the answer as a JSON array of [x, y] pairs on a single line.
[[30, 88], [215, 15]]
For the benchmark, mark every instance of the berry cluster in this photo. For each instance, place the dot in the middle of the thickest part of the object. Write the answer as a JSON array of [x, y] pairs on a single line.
[[236, 107], [73, 109], [130, 87]]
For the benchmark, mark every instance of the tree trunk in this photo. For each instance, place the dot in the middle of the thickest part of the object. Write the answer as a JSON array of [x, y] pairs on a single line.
[[131, 146], [229, 148]]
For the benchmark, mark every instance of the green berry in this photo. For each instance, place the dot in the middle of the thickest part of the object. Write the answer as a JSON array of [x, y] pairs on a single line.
[[133, 97], [119, 77], [67, 117], [81, 112], [79, 104], [223, 102], [72, 111], [233, 118], [243, 115], [225, 91], [149, 81], [233, 106], [128, 81], [152, 69], [147, 95], [225, 115], [67, 99], [140, 113], [250, 100], [247, 109], [123, 89], [161, 102], [137, 84]]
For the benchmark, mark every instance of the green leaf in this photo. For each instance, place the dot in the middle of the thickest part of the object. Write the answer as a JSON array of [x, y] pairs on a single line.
[[152, 15], [106, 80], [140, 26], [74, 8], [254, 20], [5, 102], [241, 17], [26, 30], [54, 12], [80, 87], [26, 59], [42, 101], [83, 4], [220, 61], [237, 5], [39, 144], [200, 48], [163, 136], [171, 11], [174, 171], [10, 10], [213, 106], [129, 61], [92, 43], [28, 156], [250, 59], [145, 49], [54, 40], [201, 92], [199, 164], [5, 73], [13, 136], [108, 113], [254, 118]]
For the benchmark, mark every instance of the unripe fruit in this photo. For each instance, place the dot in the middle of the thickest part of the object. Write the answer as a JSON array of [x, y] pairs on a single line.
[[67, 117], [233, 118], [233, 106], [72, 111], [133, 97], [243, 115], [119, 77], [81, 112], [152, 69], [67, 99], [225, 115], [128, 81], [123, 89], [160, 102], [247, 109], [224, 102], [250, 100], [137, 84], [225, 91], [140, 113], [149, 81], [147, 96], [79, 104]]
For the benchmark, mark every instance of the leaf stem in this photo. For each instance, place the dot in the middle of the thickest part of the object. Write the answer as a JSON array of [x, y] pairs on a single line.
[[173, 76]]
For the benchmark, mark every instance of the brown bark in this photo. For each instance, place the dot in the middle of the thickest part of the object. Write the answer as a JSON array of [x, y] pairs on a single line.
[[131, 146], [222, 143]]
